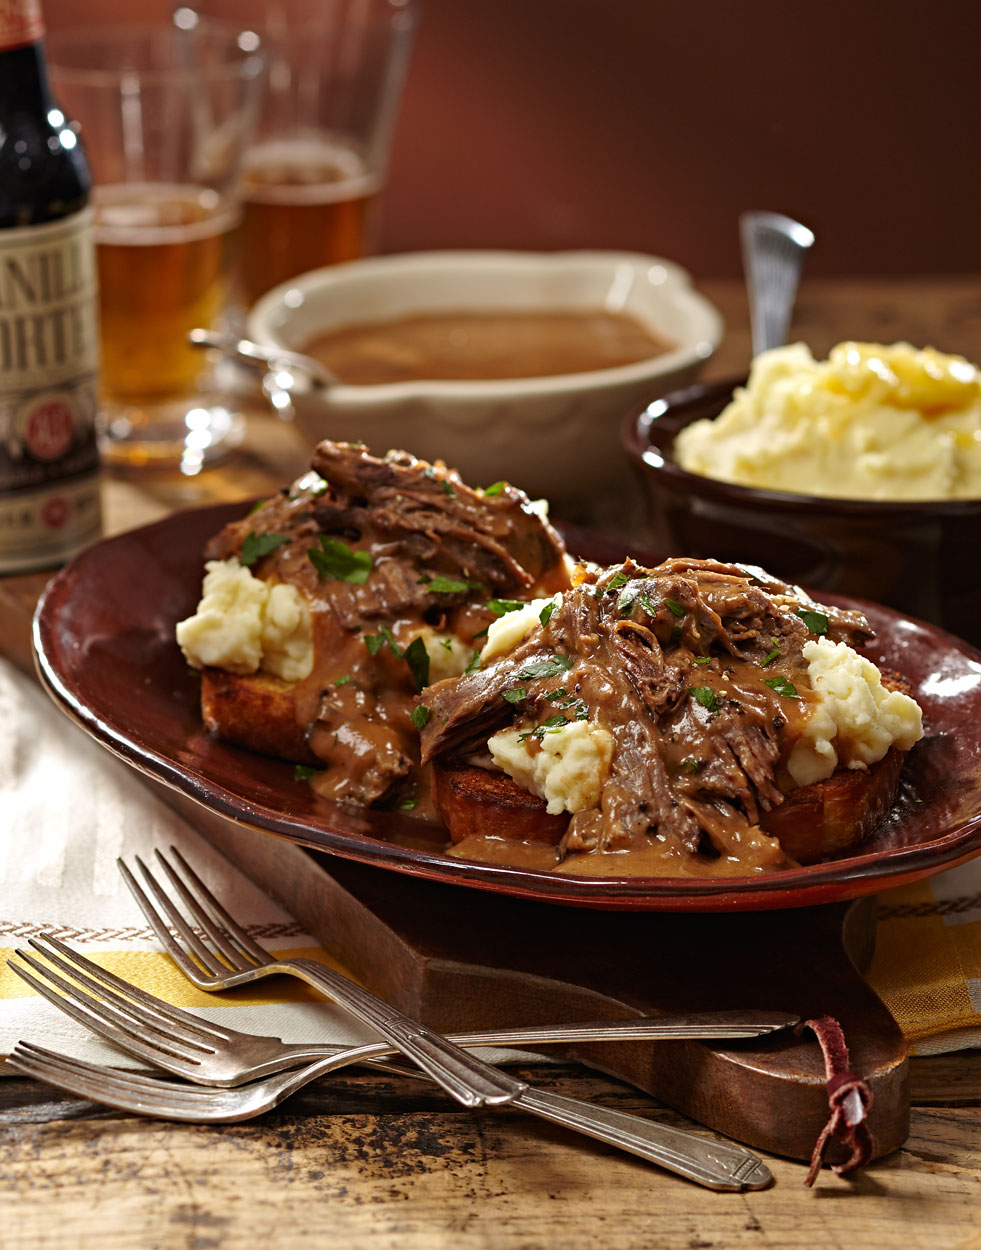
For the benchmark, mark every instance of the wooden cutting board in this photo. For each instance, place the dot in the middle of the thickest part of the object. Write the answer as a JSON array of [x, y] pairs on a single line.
[[463, 959]]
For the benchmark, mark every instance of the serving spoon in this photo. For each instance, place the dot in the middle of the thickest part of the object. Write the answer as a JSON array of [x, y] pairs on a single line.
[[273, 359], [774, 250]]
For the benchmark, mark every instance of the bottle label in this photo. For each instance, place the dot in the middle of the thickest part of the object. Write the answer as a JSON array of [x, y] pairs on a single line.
[[49, 488], [20, 23]]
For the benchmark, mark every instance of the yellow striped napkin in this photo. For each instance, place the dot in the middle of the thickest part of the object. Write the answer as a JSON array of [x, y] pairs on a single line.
[[927, 965], [67, 810]]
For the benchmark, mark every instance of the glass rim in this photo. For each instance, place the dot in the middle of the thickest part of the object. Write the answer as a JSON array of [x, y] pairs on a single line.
[[239, 62]]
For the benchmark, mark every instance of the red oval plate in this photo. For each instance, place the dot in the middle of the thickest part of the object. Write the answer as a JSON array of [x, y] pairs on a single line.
[[104, 636]]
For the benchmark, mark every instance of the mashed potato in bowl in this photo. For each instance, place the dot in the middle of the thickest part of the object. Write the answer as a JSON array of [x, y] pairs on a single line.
[[871, 422]]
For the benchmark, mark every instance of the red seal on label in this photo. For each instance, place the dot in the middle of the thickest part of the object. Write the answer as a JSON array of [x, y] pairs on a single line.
[[49, 431], [55, 512]]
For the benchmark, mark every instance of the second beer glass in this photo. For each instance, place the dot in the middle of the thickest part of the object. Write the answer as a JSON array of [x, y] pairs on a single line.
[[167, 114], [315, 173]]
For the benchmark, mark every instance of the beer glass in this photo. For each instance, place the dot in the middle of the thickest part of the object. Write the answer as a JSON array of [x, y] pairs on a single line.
[[167, 113], [314, 175]]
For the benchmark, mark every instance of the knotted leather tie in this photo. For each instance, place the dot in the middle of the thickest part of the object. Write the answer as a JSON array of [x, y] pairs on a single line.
[[848, 1120]]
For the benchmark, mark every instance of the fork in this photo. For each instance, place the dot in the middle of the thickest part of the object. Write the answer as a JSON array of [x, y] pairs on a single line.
[[240, 960], [211, 1054], [236, 960], [713, 1163]]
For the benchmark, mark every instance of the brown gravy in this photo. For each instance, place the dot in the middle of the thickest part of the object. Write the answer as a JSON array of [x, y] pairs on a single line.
[[464, 346]]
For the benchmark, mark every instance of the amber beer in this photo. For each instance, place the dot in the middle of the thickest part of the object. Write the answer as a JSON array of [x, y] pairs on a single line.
[[161, 253], [307, 203]]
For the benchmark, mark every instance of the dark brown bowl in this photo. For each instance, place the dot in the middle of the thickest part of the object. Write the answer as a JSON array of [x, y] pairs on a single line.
[[921, 558]]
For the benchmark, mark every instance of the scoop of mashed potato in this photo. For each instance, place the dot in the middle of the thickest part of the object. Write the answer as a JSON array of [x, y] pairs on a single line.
[[508, 630], [856, 720], [870, 422], [448, 655], [244, 624], [567, 767]]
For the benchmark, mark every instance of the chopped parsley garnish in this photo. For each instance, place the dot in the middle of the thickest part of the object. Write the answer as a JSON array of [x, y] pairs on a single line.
[[782, 686], [342, 681], [448, 586], [375, 642], [552, 725], [420, 715], [336, 559], [474, 664], [501, 607], [703, 659], [616, 581], [481, 633], [408, 804], [303, 772], [626, 602], [258, 545], [562, 698], [692, 765], [816, 622], [417, 658], [674, 607], [644, 600], [515, 694], [768, 659], [674, 635], [546, 613], [446, 644], [705, 695], [317, 488], [448, 489], [429, 472], [259, 503], [550, 667], [495, 489]]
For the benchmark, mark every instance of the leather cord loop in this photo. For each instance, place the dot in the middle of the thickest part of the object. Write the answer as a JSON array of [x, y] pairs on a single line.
[[849, 1099]]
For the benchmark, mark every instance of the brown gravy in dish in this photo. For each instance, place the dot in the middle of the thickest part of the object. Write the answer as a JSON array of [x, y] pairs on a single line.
[[464, 346]]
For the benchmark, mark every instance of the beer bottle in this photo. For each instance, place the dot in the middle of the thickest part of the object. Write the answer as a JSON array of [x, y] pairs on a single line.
[[49, 487]]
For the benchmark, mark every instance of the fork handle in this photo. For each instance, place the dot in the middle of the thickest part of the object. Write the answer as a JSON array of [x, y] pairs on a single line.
[[710, 1162], [468, 1079], [715, 1164]]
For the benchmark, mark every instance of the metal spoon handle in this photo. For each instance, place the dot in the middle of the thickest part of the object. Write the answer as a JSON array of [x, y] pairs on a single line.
[[774, 250], [247, 352]]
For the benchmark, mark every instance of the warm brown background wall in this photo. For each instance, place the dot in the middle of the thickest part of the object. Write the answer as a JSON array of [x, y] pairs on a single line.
[[647, 124]]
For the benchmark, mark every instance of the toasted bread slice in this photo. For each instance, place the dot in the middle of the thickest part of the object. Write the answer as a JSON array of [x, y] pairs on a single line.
[[829, 817], [477, 802], [813, 822], [257, 711]]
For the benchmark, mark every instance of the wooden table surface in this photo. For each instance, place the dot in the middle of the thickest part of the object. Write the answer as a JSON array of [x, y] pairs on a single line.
[[363, 1160]]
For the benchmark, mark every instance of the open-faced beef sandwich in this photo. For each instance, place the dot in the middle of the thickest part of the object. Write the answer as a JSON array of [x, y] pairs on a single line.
[[327, 609], [696, 718]]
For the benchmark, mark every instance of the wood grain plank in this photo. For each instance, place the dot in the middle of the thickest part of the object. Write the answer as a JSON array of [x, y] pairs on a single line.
[[367, 1162]]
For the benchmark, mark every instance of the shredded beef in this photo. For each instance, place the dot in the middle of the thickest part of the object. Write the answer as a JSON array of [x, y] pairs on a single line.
[[437, 551], [694, 667]]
